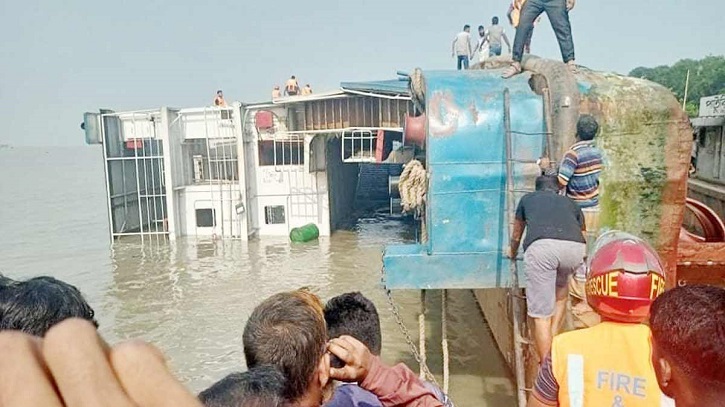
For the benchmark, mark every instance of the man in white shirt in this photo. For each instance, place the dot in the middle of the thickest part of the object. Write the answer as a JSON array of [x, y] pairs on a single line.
[[461, 47], [482, 46]]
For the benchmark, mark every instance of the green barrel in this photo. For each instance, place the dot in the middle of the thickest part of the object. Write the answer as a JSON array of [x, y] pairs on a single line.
[[304, 233]]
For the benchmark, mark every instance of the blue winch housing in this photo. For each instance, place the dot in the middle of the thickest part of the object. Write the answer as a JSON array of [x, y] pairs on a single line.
[[466, 204]]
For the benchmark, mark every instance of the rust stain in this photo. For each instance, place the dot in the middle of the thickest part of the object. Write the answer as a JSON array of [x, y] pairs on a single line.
[[474, 112], [443, 114]]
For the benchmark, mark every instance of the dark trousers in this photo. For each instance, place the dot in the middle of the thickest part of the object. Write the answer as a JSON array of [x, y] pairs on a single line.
[[559, 19], [462, 60]]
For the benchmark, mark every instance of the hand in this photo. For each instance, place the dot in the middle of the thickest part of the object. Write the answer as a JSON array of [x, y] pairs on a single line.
[[544, 163], [570, 4], [510, 254], [73, 367], [355, 354]]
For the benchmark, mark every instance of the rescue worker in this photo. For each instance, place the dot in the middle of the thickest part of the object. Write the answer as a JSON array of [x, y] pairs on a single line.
[[609, 363]]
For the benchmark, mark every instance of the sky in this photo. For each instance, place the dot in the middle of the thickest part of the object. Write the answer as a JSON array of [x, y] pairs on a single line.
[[59, 59]]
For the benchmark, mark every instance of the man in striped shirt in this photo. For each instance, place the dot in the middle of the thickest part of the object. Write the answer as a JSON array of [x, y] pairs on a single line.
[[579, 170], [579, 175]]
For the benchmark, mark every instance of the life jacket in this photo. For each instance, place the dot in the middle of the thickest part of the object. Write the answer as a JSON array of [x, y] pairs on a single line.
[[606, 365]]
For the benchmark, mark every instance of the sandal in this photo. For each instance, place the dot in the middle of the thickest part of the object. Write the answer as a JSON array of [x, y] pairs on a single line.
[[572, 66], [512, 70]]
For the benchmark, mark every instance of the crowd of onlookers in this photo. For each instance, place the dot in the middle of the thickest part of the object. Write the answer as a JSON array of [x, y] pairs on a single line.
[[299, 352]]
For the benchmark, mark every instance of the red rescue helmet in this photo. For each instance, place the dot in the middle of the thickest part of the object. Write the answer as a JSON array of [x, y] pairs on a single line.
[[624, 277]]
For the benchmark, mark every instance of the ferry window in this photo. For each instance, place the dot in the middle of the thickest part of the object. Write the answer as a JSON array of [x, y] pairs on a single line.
[[274, 215], [272, 152], [205, 218]]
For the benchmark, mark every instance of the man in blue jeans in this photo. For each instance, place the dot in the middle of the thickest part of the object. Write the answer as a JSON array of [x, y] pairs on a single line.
[[558, 13], [461, 47], [494, 37]]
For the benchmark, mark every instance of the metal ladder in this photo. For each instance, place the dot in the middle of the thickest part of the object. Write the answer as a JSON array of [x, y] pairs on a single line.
[[519, 340]]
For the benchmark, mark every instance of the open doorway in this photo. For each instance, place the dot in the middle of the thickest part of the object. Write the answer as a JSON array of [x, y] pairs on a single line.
[[364, 188]]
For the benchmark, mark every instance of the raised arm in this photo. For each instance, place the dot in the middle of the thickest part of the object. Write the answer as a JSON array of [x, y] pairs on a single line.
[[394, 386]]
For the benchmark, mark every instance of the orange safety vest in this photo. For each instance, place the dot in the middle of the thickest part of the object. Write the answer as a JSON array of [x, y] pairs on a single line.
[[606, 365]]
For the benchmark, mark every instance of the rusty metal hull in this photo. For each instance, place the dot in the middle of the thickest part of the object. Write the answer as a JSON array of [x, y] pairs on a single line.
[[646, 139]]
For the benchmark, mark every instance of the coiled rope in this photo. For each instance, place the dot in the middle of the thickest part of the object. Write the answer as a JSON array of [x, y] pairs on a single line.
[[417, 89], [413, 186]]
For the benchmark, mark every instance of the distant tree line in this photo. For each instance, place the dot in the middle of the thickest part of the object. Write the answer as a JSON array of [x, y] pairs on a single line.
[[707, 78]]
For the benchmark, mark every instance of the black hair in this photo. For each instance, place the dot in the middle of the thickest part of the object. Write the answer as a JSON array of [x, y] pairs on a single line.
[[219, 91], [262, 386], [353, 314], [547, 183], [688, 328], [587, 127], [480, 27], [494, 20], [466, 27], [34, 306], [287, 330]]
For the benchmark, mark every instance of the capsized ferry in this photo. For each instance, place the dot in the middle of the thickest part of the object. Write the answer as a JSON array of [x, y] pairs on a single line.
[[262, 169]]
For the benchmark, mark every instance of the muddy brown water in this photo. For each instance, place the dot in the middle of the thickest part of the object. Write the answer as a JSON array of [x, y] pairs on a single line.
[[191, 297]]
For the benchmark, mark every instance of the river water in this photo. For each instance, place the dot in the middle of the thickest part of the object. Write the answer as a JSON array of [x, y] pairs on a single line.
[[191, 298]]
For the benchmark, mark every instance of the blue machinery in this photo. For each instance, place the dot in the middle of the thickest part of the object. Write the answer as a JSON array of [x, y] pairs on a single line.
[[483, 136], [466, 208]]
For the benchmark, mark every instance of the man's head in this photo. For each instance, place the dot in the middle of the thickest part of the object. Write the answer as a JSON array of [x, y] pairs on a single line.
[[293, 77], [494, 21], [481, 30], [35, 305], [288, 331], [587, 127], [547, 183], [262, 386], [467, 28], [219, 93], [353, 314], [688, 342]]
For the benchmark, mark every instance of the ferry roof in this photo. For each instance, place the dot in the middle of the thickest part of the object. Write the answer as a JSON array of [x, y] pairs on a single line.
[[392, 88]]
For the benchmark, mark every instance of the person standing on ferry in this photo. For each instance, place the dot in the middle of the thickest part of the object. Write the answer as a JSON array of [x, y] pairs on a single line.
[[292, 88], [219, 99]]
